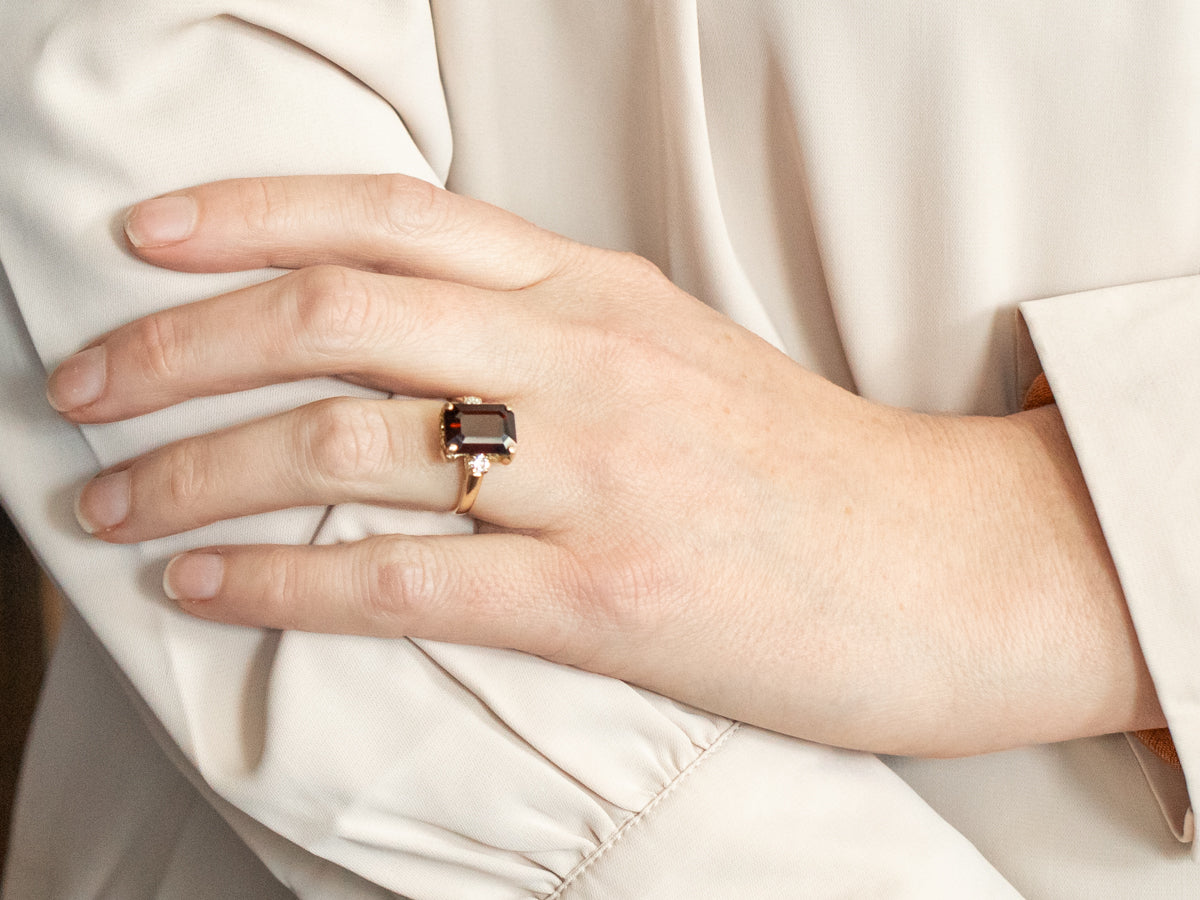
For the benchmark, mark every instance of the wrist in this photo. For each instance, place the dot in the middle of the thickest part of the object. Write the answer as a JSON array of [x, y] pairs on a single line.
[[1038, 643]]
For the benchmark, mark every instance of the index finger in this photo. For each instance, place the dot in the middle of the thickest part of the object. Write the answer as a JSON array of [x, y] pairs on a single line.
[[384, 223]]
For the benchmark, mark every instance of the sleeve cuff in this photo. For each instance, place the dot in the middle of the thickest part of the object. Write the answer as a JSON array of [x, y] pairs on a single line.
[[1157, 740], [1122, 361]]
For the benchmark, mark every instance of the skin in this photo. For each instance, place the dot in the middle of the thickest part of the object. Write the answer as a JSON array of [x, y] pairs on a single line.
[[799, 557]]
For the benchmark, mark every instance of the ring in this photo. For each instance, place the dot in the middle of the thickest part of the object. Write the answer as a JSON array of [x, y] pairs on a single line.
[[479, 434]]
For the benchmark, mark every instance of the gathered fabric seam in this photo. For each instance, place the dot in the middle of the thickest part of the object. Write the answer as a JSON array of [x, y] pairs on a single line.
[[629, 823]]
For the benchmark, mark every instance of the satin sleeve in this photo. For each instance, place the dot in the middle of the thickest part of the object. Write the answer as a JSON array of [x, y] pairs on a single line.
[[1122, 364], [428, 770]]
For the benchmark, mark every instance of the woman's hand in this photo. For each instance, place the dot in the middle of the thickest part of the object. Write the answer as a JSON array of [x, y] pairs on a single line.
[[688, 510]]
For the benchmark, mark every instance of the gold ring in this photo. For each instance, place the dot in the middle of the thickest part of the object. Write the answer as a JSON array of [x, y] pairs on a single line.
[[479, 434]]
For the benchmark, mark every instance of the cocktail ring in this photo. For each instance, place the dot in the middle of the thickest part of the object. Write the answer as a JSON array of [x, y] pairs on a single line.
[[479, 434]]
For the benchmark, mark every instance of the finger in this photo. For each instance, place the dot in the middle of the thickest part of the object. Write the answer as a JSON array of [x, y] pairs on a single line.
[[405, 335], [332, 451], [498, 590], [386, 223]]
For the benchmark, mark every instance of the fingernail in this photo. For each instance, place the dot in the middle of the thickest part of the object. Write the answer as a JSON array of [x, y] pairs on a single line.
[[194, 576], [103, 502], [161, 221], [78, 381]]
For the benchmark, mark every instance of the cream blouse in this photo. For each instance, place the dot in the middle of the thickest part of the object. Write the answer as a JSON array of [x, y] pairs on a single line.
[[875, 188]]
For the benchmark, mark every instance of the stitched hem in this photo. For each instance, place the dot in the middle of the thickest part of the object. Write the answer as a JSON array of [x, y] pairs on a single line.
[[632, 822]]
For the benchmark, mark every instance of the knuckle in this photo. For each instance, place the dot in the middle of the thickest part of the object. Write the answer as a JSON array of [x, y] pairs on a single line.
[[335, 311], [565, 261], [347, 440], [283, 584], [637, 276], [163, 347], [619, 594], [632, 357], [401, 582], [266, 207], [189, 475], [635, 266], [623, 271], [406, 207]]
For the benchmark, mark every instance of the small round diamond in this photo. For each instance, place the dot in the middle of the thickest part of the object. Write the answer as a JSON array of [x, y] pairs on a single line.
[[479, 464]]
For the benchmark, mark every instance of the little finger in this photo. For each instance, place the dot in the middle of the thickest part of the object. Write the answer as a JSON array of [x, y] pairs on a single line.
[[497, 590]]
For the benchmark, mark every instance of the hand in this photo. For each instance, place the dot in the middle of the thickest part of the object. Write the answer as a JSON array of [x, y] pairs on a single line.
[[689, 509]]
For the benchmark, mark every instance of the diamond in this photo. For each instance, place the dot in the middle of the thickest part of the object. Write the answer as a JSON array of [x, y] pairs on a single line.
[[479, 465]]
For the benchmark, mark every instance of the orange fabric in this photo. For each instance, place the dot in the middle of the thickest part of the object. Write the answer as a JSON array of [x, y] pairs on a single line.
[[1039, 393], [1158, 740]]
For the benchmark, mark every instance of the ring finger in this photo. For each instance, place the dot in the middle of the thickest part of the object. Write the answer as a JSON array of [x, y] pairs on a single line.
[[332, 451]]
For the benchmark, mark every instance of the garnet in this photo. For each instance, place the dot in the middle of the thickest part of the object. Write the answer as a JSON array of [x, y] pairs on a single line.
[[470, 429]]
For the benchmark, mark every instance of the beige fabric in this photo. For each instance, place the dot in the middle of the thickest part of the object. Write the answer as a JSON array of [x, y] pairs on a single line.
[[872, 187], [1157, 740]]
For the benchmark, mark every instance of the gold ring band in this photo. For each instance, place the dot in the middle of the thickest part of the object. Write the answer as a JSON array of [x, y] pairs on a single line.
[[479, 434], [468, 488]]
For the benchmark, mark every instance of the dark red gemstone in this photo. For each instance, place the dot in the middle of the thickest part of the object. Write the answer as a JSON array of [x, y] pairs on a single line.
[[469, 429]]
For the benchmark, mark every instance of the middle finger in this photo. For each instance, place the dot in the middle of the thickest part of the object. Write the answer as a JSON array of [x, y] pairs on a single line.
[[406, 335]]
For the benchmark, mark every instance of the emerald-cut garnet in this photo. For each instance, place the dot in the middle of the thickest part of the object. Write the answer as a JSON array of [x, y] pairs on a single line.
[[471, 429]]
